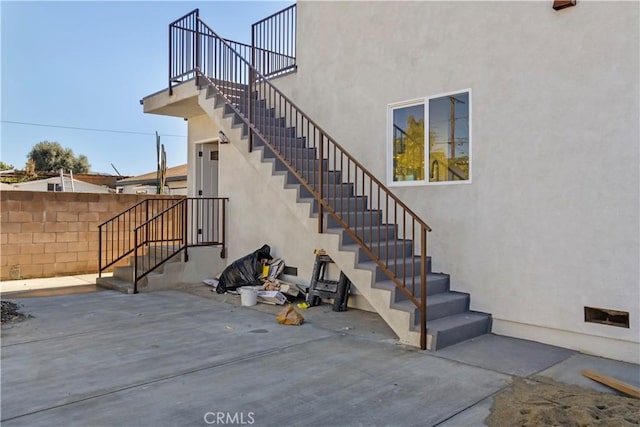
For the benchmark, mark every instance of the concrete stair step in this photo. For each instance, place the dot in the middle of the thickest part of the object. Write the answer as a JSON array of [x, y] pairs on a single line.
[[344, 204], [385, 249], [115, 284], [450, 330], [126, 272], [329, 177], [283, 143], [439, 305], [311, 165], [356, 219], [276, 130], [156, 254], [370, 236], [405, 266], [296, 152], [437, 283], [342, 189]]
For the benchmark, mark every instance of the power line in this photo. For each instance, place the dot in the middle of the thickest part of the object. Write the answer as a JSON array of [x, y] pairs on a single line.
[[89, 129]]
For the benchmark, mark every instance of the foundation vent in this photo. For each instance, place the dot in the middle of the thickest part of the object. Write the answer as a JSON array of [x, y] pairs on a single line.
[[606, 316]]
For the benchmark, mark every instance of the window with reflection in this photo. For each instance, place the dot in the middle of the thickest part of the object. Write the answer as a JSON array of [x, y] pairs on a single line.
[[443, 121]]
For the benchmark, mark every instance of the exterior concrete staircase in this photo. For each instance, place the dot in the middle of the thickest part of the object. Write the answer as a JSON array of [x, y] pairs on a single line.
[[162, 278], [449, 319]]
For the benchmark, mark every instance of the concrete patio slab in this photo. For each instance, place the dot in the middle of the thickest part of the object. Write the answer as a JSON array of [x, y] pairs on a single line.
[[189, 357], [507, 355], [46, 283], [569, 371]]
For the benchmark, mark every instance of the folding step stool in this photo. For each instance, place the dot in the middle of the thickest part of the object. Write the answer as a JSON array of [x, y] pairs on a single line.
[[320, 288]]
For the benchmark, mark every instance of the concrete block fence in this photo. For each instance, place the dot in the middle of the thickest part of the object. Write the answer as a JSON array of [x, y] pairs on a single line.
[[47, 234]]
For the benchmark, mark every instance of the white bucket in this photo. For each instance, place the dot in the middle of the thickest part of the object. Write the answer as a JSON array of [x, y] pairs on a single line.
[[248, 296]]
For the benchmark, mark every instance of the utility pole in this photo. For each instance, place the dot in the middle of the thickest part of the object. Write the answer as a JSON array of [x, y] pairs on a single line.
[[453, 128]]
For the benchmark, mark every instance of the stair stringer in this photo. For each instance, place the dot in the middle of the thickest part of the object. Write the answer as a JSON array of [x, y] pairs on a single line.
[[380, 299]]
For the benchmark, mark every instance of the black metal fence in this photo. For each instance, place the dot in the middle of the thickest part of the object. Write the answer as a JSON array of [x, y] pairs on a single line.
[[274, 39], [192, 46], [155, 230]]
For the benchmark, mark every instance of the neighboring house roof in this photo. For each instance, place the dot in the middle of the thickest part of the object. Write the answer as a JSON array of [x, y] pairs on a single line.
[[176, 173], [92, 178], [78, 185]]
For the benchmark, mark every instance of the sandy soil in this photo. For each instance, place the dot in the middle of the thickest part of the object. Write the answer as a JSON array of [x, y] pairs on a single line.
[[541, 401]]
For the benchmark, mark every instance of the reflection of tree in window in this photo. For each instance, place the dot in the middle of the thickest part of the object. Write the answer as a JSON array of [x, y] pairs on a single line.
[[408, 143]]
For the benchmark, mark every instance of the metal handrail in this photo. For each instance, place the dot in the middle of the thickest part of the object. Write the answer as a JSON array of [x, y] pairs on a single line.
[[254, 98], [188, 223], [114, 234]]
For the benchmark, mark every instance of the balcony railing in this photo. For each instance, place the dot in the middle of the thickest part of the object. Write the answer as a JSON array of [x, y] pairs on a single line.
[[274, 39], [192, 46]]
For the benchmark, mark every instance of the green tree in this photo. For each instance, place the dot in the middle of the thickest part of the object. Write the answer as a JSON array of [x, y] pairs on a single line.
[[411, 161], [5, 166], [51, 157]]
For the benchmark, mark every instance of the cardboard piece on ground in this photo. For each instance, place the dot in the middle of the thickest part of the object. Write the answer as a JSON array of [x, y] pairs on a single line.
[[289, 288], [271, 297]]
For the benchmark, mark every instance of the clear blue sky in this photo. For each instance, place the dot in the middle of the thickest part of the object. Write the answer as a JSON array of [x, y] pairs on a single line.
[[87, 64]]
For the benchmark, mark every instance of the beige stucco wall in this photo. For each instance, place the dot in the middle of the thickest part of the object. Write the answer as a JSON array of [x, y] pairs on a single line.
[[550, 223], [256, 216]]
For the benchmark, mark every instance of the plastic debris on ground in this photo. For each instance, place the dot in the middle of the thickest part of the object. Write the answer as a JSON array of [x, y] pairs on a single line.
[[245, 271], [257, 269]]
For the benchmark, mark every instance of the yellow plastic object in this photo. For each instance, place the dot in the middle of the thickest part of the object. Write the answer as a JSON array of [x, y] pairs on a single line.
[[303, 305]]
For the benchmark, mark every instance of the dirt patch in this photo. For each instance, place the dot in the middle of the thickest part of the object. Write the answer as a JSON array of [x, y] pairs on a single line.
[[10, 313], [542, 401]]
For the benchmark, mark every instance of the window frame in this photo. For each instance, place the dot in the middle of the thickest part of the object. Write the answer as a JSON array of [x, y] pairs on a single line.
[[389, 139]]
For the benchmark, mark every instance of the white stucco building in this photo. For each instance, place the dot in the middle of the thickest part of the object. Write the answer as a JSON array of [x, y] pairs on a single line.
[[534, 210]]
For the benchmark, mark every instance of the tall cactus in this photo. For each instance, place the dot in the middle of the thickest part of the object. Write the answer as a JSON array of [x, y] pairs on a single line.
[[161, 157]]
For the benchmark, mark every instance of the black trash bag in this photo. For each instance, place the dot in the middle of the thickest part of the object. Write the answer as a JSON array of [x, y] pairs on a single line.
[[245, 271]]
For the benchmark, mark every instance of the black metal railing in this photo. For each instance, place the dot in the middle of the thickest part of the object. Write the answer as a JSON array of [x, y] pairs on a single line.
[[190, 222], [115, 240], [183, 48], [192, 46], [325, 169], [274, 39], [154, 231]]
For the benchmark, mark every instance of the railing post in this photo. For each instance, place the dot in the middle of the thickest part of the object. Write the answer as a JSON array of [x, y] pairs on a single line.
[[320, 184], [135, 261], [185, 219], [196, 46], [170, 59], [100, 251], [223, 253], [250, 88], [146, 219], [423, 287]]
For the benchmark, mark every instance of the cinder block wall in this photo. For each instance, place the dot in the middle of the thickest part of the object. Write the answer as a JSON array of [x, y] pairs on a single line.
[[46, 234]]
